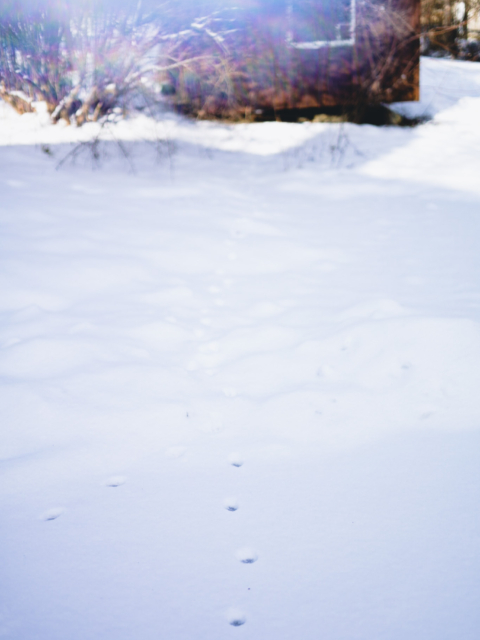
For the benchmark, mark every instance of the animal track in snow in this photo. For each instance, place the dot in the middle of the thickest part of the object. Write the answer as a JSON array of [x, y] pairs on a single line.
[[236, 617], [213, 422], [326, 371], [210, 347], [116, 481], [16, 184], [247, 555], [231, 504], [52, 514], [213, 289], [426, 414], [10, 342], [235, 459], [175, 452]]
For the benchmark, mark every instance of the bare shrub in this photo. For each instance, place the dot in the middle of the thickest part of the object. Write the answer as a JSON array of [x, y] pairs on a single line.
[[387, 52], [34, 60], [85, 61], [113, 57]]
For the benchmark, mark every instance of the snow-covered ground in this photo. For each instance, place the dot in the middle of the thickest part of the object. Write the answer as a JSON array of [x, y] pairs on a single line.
[[240, 378]]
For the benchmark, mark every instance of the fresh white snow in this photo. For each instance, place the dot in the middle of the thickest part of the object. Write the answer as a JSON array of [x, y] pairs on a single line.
[[240, 375]]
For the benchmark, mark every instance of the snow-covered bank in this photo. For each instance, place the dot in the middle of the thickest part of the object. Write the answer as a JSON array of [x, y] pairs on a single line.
[[280, 318]]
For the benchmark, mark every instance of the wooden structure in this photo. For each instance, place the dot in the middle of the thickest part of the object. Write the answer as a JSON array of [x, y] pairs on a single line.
[[251, 56]]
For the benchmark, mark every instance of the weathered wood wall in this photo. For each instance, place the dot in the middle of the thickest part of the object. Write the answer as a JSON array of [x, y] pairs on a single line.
[[293, 54]]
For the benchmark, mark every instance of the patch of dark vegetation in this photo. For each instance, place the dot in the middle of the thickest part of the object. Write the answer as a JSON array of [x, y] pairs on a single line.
[[375, 114], [381, 115]]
